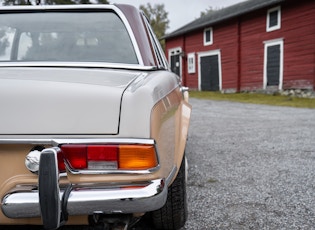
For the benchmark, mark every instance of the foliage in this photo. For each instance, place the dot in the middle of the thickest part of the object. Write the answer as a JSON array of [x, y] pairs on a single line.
[[16, 2], [158, 19], [208, 11], [256, 98]]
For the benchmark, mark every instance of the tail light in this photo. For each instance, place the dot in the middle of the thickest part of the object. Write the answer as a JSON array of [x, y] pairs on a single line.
[[107, 157]]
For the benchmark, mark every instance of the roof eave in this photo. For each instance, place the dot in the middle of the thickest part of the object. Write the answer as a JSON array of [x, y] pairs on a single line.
[[182, 30]]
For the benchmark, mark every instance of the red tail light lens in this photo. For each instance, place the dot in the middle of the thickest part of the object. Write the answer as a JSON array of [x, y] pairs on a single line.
[[61, 163], [102, 156], [106, 157], [102, 152], [75, 155]]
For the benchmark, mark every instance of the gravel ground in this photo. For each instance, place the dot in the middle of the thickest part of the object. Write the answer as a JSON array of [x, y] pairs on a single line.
[[250, 167]]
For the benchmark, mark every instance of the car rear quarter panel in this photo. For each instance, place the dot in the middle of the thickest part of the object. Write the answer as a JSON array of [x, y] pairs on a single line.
[[152, 107], [169, 127]]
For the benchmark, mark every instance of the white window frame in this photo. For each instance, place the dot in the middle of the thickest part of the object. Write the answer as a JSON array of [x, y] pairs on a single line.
[[273, 43], [278, 26], [205, 42], [191, 63], [176, 51]]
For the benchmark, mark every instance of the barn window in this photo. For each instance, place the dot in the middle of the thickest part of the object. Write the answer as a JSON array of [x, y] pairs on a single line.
[[175, 58], [191, 63], [207, 37], [274, 19]]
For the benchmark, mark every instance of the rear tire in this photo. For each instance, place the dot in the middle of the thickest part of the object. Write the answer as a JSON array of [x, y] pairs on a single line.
[[173, 214]]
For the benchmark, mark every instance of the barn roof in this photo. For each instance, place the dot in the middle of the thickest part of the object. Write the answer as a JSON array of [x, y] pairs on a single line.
[[223, 14]]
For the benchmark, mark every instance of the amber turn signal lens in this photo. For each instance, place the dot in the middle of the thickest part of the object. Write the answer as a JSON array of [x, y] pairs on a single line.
[[137, 157]]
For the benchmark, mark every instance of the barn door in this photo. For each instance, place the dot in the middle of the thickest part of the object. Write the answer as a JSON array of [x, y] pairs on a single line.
[[273, 64], [209, 73]]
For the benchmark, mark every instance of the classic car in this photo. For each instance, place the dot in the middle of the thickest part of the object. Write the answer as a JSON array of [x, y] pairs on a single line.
[[93, 124]]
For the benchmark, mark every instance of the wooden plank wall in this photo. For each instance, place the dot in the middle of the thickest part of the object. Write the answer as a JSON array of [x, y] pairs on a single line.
[[241, 44]]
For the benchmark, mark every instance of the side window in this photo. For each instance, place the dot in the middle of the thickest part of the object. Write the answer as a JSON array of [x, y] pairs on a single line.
[[208, 37], [158, 51], [274, 19]]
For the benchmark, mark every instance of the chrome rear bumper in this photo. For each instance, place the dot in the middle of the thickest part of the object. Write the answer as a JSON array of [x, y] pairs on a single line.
[[23, 201]]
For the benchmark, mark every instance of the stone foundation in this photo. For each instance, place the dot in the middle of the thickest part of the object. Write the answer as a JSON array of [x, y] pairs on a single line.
[[302, 93]]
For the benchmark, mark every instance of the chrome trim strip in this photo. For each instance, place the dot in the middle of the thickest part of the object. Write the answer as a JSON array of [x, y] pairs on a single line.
[[105, 141], [56, 141], [156, 44], [79, 65], [112, 172], [171, 176], [139, 197], [26, 141], [56, 7]]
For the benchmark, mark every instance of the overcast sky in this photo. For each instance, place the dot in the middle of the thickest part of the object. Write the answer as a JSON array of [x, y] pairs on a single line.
[[181, 12]]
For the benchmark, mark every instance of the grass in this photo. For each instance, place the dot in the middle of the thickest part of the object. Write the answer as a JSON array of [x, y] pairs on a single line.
[[256, 98]]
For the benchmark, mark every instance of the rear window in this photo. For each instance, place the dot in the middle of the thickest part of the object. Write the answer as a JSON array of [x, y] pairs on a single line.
[[65, 37]]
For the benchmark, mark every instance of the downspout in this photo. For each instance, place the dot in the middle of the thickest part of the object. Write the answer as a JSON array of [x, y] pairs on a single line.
[[239, 56], [314, 65], [184, 62]]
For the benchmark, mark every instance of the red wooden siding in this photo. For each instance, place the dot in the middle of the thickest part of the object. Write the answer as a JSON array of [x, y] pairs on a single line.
[[192, 44], [298, 27], [229, 51], [241, 42], [226, 39], [253, 34]]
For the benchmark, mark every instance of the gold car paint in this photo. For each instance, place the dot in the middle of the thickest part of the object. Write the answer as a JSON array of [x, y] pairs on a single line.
[[169, 112], [164, 117], [17, 174], [169, 127]]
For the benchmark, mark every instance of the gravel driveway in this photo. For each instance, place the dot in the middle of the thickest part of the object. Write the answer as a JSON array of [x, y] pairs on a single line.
[[250, 167]]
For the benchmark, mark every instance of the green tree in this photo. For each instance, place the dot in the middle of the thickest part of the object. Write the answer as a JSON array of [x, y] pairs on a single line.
[[208, 11], [158, 19], [16, 2], [103, 2]]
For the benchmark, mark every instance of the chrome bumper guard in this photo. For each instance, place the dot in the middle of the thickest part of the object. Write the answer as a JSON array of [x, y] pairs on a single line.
[[23, 202]]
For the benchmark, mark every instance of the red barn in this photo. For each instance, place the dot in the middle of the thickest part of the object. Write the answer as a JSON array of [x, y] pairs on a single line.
[[250, 46]]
